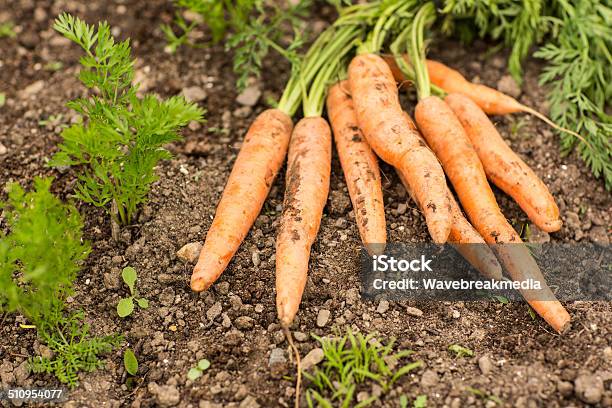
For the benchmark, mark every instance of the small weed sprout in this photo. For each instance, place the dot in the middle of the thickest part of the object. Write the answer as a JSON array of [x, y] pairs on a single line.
[[130, 362], [125, 307], [196, 372], [349, 361], [460, 351]]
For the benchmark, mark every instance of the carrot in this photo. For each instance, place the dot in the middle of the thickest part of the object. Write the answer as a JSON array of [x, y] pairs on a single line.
[[504, 167], [446, 136], [256, 166], [467, 241], [490, 100], [391, 136], [308, 173], [360, 168]]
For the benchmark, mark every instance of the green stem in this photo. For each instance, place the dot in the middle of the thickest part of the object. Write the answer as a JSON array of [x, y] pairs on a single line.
[[315, 100], [423, 18]]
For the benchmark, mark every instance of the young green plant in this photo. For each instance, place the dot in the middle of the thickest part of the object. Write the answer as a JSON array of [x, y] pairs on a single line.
[[125, 307], [122, 137], [40, 257], [196, 372], [351, 360]]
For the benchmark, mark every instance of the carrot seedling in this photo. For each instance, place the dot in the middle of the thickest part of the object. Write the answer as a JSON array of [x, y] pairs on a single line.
[[125, 307], [196, 372], [37, 276], [460, 351], [130, 362], [122, 137], [349, 361]]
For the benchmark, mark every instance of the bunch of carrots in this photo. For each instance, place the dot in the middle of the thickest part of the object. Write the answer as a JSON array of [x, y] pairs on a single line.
[[353, 69]]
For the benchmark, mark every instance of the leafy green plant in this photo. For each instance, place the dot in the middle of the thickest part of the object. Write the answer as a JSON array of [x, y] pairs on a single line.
[[251, 28], [39, 260], [122, 137], [125, 307], [7, 29], [196, 372], [351, 360], [460, 351], [575, 43], [130, 362]]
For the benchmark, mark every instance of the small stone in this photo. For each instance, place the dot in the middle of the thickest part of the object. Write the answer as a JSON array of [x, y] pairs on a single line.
[[429, 378], [112, 279], [165, 395], [40, 14], [485, 364], [249, 402], [277, 362], [166, 298], [314, 357], [244, 322], [401, 208], [508, 85], [194, 125], [589, 388], [565, 388], [413, 311], [243, 112], [300, 336], [323, 317], [225, 321], [208, 404], [572, 220], [249, 96], [22, 372], [32, 89], [214, 311], [362, 396], [352, 296], [383, 306], [222, 288], [3, 149], [255, 258], [189, 252], [341, 223], [456, 314], [194, 94], [598, 234]]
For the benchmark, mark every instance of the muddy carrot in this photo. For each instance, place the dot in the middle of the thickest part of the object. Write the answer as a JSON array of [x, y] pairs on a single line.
[[504, 167], [308, 172], [467, 241], [447, 138], [249, 183], [360, 168]]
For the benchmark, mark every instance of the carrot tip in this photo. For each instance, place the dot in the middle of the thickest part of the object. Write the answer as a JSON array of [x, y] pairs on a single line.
[[551, 226], [375, 249], [199, 285]]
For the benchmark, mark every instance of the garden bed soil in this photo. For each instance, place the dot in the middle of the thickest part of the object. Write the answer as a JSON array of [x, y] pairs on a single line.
[[517, 358]]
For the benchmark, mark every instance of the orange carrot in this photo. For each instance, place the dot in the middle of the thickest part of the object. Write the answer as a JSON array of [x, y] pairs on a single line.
[[504, 167], [467, 241], [308, 172], [390, 134], [256, 166], [447, 138], [491, 101], [360, 168]]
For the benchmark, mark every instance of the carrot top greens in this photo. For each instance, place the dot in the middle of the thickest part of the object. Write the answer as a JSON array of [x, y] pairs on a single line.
[[122, 137]]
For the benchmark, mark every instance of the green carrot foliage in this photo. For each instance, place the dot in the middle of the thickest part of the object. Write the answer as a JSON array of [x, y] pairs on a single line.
[[123, 137]]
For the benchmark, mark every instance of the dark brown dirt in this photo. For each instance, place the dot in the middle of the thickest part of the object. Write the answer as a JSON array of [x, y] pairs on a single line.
[[530, 366]]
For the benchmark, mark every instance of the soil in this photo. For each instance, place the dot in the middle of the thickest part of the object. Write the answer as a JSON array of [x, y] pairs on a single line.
[[516, 358]]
